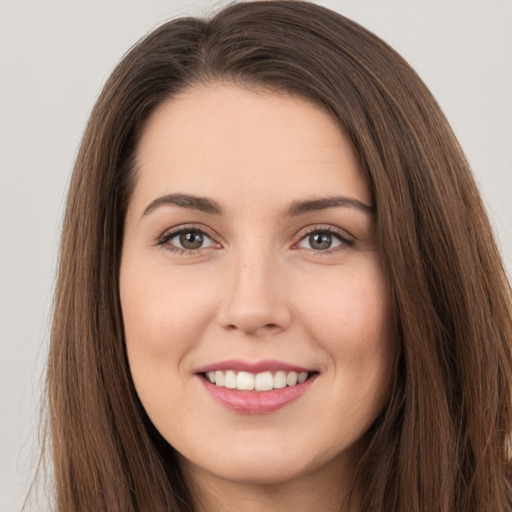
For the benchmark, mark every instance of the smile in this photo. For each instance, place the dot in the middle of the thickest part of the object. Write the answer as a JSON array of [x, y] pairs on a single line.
[[264, 381], [256, 388]]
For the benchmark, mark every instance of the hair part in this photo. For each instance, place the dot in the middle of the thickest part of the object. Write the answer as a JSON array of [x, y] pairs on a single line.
[[441, 444]]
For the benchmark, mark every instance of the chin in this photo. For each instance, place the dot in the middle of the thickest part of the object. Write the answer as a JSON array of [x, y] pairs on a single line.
[[255, 470], [264, 463]]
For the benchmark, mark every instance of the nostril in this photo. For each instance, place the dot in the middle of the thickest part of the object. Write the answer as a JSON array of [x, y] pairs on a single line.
[[267, 327]]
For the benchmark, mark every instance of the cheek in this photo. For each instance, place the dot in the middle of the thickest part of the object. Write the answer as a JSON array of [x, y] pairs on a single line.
[[353, 307], [164, 316], [350, 318], [163, 311]]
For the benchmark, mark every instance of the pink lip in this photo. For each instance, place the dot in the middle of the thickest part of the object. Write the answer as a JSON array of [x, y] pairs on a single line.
[[238, 365], [256, 402]]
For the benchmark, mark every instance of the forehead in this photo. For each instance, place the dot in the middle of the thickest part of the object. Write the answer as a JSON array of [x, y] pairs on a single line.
[[230, 142]]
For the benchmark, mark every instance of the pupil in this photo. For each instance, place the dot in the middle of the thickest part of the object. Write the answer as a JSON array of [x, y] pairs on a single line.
[[320, 241], [191, 239]]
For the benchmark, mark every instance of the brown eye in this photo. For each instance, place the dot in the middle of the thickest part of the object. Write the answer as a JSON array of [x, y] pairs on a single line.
[[191, 239], [325, 240], [320, 241], [183, 240]]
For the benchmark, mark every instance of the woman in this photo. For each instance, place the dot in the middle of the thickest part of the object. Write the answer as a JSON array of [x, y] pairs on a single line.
[[278, 286]]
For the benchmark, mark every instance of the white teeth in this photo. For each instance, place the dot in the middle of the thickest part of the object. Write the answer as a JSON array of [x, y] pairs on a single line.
[[264, 381], [245, 381], [280, 380], [219, 378], [291, 378], [230, 379]]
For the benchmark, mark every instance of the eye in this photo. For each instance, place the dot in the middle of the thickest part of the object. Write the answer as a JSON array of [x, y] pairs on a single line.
[[325, 239], [186, 240]]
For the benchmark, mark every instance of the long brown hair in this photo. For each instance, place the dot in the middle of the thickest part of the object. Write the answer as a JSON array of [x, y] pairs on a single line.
[[441, 444]]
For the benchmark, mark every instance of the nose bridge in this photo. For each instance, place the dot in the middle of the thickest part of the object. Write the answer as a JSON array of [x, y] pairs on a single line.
[[255, 296]]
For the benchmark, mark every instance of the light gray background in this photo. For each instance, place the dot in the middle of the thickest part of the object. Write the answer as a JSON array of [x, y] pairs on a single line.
[[54, 58]]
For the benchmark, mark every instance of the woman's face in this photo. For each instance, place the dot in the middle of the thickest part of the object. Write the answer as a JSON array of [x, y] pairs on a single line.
[[251, 258]]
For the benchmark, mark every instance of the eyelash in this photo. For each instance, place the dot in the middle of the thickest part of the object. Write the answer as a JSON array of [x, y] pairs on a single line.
[[169, 235], [344, 239]]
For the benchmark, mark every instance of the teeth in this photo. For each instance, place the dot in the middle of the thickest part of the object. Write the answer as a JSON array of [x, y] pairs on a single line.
[[265, 381], [291, 378], [280, 380], [245, 381], [230, 379], [219, 378]]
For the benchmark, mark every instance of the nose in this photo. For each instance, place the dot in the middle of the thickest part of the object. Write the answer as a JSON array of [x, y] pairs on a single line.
[[255, 299]]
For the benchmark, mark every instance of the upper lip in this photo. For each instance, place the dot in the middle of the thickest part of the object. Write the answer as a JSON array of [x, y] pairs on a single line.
[[253, 367]]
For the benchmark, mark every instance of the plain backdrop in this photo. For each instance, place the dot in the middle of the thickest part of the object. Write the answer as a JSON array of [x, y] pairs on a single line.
[[54, 59]]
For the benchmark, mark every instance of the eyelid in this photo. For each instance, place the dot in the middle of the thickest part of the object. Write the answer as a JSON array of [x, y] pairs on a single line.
[[345, 238], [170, 233]]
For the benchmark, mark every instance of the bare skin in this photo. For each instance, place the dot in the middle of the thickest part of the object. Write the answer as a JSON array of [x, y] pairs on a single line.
[[250, 236]]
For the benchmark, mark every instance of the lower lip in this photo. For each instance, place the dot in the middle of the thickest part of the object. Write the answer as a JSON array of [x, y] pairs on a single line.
[[257, 402]]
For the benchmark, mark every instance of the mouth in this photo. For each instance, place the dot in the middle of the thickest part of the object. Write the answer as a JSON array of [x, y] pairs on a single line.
[[260, 391], [259, 382]]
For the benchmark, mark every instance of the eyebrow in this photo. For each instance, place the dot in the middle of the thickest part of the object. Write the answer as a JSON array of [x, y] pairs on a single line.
[[324, 203], [189, 202], [296, 208]]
